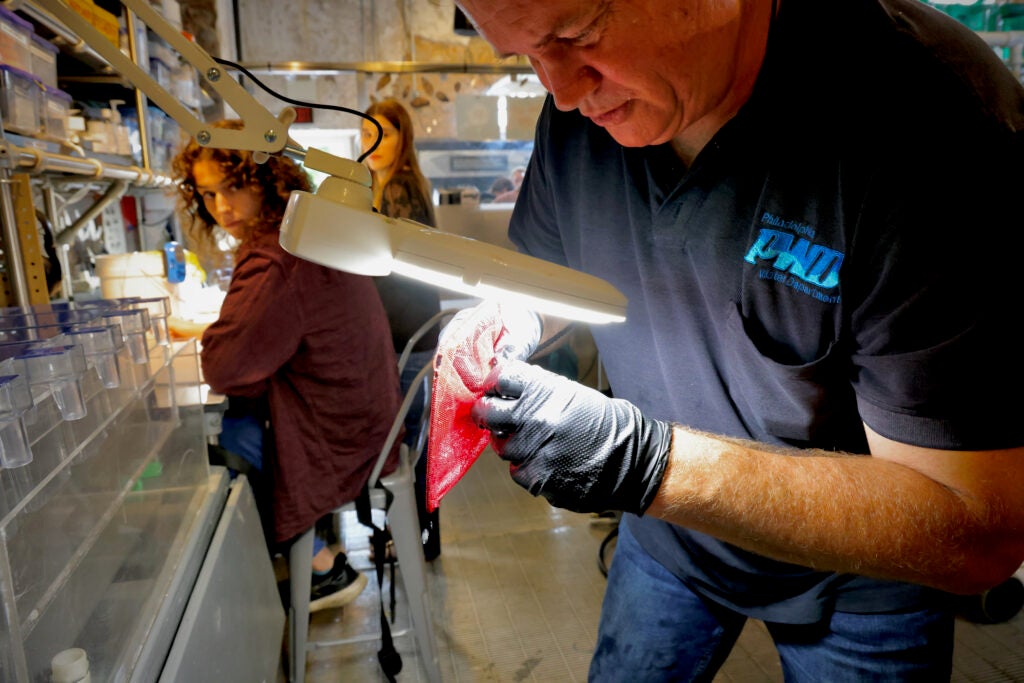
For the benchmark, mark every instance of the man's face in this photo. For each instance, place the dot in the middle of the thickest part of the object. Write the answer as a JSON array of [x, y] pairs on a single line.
[[645, 70]]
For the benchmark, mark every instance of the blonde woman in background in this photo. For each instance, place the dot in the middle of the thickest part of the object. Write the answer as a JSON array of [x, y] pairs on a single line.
[[400, 190]]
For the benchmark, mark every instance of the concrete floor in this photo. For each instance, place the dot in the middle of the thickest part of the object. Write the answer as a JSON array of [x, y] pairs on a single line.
[[516, 596]]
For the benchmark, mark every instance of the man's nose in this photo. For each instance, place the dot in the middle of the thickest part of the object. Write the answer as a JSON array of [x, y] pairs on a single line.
[[568, 79]]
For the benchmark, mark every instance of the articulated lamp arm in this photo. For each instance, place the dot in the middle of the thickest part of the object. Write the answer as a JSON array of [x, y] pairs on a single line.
[[263, 131], [337, 226]]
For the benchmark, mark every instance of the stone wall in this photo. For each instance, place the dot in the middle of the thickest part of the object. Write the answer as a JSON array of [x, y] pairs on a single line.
[[360, 31]]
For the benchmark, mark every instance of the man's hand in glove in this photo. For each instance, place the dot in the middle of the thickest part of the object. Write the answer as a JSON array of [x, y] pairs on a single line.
[[571, 444]]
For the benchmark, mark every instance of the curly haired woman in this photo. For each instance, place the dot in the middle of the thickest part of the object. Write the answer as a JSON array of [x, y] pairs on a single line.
[[303, 348]]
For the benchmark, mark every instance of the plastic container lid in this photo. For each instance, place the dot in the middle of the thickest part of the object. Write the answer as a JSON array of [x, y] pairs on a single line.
[[13, 18], [39, 41], [21, 73], [57, 93]]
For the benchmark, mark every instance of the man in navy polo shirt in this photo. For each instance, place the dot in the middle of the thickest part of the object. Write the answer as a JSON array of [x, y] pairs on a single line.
[[814, 211]]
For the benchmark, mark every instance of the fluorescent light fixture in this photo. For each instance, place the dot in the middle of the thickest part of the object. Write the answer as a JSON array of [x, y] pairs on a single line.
[[337, 226], [341, 231]]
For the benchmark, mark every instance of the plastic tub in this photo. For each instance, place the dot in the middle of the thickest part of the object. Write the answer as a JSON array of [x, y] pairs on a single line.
[[55, 111], [15, 38], [44, 60], [19, 101]]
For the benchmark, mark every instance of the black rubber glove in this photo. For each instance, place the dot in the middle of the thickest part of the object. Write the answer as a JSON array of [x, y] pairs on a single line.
[[572, 444]]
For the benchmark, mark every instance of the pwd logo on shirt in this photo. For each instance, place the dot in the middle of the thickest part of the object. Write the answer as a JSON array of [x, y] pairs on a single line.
[[795, 258]]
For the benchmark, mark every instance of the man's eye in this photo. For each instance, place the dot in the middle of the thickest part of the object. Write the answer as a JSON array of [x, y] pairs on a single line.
[[586, 38]]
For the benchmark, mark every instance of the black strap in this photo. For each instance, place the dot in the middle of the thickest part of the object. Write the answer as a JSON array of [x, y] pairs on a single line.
[[390, 660]]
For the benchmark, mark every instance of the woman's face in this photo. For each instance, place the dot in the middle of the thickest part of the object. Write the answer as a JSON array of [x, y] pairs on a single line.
[[383, 158], [236, 209]]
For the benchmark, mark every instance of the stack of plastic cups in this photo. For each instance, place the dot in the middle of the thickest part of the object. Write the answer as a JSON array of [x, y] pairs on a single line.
[[60, 369], [15, 401], [159, 309], [134, 324], [101, 344]]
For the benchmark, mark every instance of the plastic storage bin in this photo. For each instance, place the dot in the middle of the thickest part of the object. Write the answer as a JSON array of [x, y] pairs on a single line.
[[19, 101], [44, 60], [55, 112], [15, 37]]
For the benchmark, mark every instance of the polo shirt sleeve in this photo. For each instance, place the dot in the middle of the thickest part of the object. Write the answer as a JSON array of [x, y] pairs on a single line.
[[935, 359]]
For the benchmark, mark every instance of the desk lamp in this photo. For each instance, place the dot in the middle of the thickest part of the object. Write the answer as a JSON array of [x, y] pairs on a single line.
[[337, 227]]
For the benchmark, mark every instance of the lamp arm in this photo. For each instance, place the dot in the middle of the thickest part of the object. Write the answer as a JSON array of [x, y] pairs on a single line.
[[337, 227], [263, 132]]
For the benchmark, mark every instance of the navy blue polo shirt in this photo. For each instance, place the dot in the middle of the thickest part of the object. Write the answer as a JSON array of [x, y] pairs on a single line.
[[844, 251]]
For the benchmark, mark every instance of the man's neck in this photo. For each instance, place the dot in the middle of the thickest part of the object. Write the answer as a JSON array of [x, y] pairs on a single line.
[[753, 42]]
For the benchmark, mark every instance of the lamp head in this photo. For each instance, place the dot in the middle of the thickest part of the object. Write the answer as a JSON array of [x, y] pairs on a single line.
[[338, 228]]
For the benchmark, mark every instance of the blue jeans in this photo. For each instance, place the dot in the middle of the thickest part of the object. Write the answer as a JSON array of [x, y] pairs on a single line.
[[243, 436], [653, 628], [413, 364]]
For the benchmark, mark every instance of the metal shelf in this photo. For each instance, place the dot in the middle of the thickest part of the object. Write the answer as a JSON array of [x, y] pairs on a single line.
[[36, 161], [329, 68]]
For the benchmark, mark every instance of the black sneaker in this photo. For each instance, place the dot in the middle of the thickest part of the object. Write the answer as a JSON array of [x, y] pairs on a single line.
[[338, 587]]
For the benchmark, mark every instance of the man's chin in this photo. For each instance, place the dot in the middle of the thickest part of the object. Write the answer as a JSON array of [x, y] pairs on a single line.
[[630, 131], [629, 136]]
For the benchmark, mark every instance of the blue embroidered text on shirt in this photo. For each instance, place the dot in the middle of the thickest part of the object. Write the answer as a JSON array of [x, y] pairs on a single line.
[[799, 227], [812, 263]]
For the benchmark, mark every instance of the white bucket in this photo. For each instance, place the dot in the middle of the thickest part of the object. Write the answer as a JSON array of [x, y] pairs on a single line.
[[140, 273]]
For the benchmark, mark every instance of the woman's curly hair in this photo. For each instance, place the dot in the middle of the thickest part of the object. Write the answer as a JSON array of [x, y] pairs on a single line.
[[274, 179]]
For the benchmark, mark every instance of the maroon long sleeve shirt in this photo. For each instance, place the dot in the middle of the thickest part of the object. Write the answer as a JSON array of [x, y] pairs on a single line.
[[316, 342]]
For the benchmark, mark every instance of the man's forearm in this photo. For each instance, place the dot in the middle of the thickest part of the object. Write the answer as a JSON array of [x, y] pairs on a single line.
[[843, 513]]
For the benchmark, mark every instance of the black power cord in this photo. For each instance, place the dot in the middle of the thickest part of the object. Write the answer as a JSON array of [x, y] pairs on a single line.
[[602, 562], [314, 105], [608, 542]]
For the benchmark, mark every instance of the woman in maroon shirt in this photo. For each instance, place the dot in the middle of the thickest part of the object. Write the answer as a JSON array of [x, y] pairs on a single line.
[[309, 343]]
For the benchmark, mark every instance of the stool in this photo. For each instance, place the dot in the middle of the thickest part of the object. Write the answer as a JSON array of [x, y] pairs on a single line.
[[403, 521]]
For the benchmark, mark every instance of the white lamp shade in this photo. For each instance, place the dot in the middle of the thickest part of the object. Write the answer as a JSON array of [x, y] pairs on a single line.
[[351, 239]]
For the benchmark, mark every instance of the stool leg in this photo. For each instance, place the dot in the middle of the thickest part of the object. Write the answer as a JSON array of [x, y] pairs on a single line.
[[300, 579], [405, 529]]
